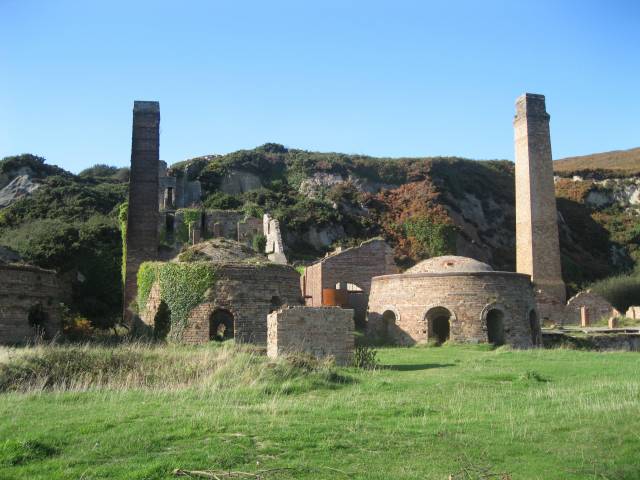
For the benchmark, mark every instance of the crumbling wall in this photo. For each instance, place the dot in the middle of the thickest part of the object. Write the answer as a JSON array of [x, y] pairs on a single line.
[[24, 290], [321, 332], [247, 229], [275, 246], [355, 266], [597, 307]]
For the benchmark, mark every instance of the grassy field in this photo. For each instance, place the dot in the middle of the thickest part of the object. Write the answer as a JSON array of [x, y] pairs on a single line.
[[427, 413]]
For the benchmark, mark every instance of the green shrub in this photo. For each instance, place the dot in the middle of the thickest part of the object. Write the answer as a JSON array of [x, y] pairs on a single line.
[[365, 357], [433, 238], [621, 291], [259, 243], [222, 201]]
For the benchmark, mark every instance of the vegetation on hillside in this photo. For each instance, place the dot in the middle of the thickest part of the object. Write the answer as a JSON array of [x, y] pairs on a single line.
[[70, 224], [619, 161], [73, 223]]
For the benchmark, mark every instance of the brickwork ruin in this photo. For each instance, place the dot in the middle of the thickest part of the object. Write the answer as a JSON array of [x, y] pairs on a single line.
[[596, 307], [244, 292], [454, 298], [350, 270], [537, 244], [322, 332], [275, 246], [29, 303], [142, 219]]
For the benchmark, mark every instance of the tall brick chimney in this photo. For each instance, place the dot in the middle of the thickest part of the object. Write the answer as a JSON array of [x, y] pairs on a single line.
[[142, 219], [537, 244]]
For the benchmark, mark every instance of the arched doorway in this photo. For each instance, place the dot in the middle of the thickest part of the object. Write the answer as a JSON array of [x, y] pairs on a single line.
[[38, 318], [495, 327], [162, 322], [534, 325], [221, 325], [438, 325], [388, 323]]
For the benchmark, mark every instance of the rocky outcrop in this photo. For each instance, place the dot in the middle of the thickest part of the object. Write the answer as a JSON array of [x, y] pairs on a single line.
[[16, 189], [313, 186]]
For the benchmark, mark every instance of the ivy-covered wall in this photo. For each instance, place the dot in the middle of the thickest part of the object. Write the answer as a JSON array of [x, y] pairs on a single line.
[[182, 288]]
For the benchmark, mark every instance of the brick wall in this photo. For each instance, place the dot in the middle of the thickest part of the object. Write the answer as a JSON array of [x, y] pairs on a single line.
[[22, 287], [321, 332], [142, 222], [469, 297]]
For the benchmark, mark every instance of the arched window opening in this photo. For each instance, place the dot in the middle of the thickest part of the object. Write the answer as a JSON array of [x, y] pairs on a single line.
[[495, 327], [221, 325], [534, 325], [162, 322], [274, 304], [438, 326]]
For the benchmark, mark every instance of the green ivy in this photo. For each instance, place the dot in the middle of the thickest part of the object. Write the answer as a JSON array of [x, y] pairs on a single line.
[[123, 212], [182, 288]]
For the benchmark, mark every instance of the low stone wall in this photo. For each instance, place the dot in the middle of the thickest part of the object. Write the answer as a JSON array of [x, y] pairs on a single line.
[[27, 291], [321, 332], [628, 342]]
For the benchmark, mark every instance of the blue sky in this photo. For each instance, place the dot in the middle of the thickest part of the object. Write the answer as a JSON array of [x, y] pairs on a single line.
[[393, 78]]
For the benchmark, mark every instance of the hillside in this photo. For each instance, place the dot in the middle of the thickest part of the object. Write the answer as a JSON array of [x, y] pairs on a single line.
[[627, 161], [423, 206]]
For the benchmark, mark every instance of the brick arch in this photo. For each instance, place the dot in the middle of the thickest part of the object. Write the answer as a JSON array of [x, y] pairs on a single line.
[[452, 320]]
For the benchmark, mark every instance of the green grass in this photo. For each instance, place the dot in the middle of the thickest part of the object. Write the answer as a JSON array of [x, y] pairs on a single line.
[[427, 414]]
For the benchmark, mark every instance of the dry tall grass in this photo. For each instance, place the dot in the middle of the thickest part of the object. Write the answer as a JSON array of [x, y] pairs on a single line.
[[148, 366]]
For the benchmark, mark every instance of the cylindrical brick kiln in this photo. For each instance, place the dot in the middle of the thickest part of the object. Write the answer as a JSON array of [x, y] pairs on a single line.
[[454, 298]]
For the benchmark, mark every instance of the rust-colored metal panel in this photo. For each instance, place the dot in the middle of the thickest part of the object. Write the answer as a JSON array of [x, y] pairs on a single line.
[[335, 297]]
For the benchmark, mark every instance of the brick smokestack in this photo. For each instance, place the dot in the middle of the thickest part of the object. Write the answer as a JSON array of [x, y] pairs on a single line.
[[537, 244], [142, 219]]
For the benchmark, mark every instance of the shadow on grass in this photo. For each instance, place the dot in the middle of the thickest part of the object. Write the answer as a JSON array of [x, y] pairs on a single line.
[[416, 366]]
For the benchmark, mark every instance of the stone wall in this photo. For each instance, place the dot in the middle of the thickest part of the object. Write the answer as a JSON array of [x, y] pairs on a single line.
[[537, 244], [222, 223], [469, 298], [275, 246], [597, 307], [321, 332], [25, 289], [142, 222], [633, 312], [248, 292], [247, 229]]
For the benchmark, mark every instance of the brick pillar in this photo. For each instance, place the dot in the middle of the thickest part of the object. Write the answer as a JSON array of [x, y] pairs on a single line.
[[584, 316], [142, 220], [537, 244]]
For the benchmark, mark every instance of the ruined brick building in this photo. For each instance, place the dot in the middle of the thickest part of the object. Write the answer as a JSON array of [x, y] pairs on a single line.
[[343, 277], [29, 301], [243, 290]]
